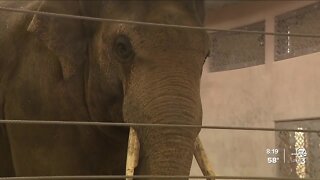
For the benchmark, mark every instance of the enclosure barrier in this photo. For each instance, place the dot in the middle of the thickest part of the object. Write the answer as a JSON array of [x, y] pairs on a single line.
[[131, 176], [148, 177], [59, 15], [82, 123], [202, 159]]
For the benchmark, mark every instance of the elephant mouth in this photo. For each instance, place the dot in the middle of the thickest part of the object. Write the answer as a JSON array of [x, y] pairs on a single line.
[[134, 149]]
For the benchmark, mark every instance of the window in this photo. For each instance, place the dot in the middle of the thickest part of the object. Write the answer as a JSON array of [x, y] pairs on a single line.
[[301, 21], [299, 151], [233, 50]]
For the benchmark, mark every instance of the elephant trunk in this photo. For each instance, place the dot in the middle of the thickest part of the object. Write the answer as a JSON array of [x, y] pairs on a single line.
[[172, 100], [166, 153]]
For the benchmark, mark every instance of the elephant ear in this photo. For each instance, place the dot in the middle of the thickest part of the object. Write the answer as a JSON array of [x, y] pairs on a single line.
[[63, 36]]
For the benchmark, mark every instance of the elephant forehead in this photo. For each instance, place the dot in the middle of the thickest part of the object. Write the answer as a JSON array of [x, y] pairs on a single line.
[[177, 13], [158, 11], [158, 39], [169, 39], [173, 12]]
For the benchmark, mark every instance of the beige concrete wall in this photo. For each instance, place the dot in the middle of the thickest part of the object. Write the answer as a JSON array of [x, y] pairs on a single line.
[[255, 96]]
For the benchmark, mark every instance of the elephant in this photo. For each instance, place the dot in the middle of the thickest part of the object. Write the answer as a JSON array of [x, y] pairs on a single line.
[[63, 69]]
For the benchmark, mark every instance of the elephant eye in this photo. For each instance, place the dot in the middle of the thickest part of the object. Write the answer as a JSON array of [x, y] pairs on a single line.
[[123, 48]]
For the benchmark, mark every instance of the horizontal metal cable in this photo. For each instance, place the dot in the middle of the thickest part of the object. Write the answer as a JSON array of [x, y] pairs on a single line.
[[259, 0], [153, 177], [83, 123], [299, 119], [153, 24], [239, 1]]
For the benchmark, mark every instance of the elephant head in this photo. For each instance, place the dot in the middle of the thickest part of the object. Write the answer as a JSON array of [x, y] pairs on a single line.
[[135, 73]]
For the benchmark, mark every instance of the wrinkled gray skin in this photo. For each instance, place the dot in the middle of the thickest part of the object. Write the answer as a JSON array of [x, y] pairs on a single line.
[[75, 70]]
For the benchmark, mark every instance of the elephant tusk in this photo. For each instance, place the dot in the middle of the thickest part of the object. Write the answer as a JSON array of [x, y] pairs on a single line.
[[202, 159], [132, 153]]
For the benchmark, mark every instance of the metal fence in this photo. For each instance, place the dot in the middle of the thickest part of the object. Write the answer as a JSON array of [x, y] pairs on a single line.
[[32, 122]]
